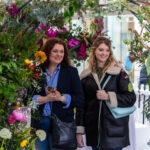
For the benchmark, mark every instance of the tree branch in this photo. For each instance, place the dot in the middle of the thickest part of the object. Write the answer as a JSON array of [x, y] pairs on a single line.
[[140, 40]]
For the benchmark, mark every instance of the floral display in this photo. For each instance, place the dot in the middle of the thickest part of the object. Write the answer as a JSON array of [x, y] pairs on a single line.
[[24, 28], [77, 41]]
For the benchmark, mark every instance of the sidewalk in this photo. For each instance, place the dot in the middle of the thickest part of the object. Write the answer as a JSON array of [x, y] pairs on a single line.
[[142, 136]]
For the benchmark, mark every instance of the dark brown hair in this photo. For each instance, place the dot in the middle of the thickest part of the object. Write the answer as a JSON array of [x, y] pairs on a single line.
[[92, 59], [48, 46]]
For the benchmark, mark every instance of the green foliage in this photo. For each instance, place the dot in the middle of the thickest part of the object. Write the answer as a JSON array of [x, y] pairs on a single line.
[[140, 44], [147, 64]]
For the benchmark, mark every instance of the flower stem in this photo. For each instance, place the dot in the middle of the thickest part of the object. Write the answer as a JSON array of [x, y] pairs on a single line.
[[33, 143], [2, 145]]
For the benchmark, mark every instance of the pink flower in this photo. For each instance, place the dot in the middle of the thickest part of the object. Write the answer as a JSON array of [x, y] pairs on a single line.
[[82, 51], [36, 30], [41, 26], [19, 115], [64, 29], [51, 33], [72, 42], [98, 33], [11, 119]]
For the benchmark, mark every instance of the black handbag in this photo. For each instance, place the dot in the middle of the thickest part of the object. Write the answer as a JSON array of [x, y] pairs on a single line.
[[63, 134]]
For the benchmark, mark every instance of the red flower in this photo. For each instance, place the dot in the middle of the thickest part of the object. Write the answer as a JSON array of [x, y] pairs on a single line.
[[36, 75], [31, 67]]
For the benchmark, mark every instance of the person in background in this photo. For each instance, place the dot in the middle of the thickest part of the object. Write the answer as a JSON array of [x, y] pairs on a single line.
[[129, 66], [143, 72], [61, 90], [102, 130], [143, 76]]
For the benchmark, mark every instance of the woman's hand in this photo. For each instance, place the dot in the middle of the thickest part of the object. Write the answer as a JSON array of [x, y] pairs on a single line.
[[102, 95], [80, 140], [54, 96]]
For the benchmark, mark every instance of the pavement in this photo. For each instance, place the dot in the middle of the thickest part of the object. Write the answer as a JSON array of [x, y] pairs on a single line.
[[142, 136]]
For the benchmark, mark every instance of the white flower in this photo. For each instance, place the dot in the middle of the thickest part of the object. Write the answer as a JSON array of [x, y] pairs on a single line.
[[5, 133], [41, 134]]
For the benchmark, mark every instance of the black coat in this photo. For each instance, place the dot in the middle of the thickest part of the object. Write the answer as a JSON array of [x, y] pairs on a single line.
[[68, 83], [101, 128]]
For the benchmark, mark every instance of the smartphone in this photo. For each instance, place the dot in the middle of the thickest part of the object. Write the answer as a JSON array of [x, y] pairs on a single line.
[[51, 89]]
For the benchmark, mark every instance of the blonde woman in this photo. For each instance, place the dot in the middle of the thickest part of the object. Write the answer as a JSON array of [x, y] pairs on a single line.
[[103, 131]]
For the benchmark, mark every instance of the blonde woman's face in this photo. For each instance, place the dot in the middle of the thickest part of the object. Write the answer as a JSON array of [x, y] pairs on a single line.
[[102, 53]]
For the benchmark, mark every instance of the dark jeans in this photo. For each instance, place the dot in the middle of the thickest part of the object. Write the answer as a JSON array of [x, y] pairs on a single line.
[[95, 148], [47, 143]]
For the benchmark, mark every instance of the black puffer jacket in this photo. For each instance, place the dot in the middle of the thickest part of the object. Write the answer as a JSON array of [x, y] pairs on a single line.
[[101, 128]]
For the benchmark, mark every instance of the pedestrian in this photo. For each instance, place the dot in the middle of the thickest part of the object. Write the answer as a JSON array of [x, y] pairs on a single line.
[[102, 130], [61, 91]]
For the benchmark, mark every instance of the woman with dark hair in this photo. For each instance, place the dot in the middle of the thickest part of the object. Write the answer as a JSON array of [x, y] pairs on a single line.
[[61, 90], [103, 131]]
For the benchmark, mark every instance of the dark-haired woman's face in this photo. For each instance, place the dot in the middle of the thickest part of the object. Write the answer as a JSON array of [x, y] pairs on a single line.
[[56, 54], [102, 53]]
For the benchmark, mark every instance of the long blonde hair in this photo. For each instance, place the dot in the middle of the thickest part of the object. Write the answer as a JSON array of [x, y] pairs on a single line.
[[92, 58]]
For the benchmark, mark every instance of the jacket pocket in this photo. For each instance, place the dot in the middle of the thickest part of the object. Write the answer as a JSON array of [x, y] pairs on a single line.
[[116, 127]]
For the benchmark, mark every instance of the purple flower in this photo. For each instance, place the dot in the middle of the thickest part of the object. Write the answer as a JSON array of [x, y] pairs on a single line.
[[72, 42], [40, 42], [81, 53], [96, 21], [13, 10], [22, 91], [51, 33], [9, 104]]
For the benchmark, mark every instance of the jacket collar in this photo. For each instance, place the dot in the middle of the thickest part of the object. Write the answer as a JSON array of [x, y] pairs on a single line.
[[113, 69]]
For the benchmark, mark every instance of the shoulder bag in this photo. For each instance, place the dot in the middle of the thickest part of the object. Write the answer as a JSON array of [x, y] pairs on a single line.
[[63, 134], [119, 112]]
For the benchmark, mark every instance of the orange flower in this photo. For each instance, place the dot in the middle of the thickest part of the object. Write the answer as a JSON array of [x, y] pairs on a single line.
[[40, 56]]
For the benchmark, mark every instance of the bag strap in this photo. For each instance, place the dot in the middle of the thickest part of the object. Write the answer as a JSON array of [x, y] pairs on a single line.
[[106, 82]]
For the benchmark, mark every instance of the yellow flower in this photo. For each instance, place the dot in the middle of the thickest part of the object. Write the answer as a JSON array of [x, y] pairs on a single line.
[[23, 143], [40, 56], [27, 61]]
